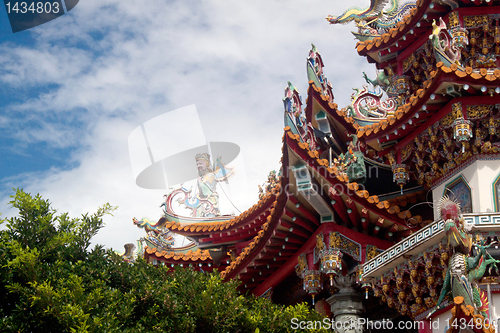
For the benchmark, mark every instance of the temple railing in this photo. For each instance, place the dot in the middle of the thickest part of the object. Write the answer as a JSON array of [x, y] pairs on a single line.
[[422, 239]]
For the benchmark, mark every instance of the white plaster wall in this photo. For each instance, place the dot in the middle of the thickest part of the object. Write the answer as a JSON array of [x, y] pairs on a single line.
[[488, 171], [480, 176], [495, 307], [440, 324]]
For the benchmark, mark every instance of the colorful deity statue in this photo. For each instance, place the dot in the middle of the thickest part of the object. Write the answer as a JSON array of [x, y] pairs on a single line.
[[204, 201], [272, 180], [295, 117], [464, 269], [206, 184], [356, 170], [261, 192]]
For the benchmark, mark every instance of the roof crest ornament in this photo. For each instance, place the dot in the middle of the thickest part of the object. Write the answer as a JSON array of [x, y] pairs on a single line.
[[375, 20]]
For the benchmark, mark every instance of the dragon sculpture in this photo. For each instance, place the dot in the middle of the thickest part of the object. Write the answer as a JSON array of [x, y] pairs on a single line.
[[157, 235], [352, 163], [382, 80], [464, 269], [368, 104], [375, 20]]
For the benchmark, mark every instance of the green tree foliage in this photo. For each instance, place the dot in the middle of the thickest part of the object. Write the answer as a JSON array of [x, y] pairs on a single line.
[[51, 282]]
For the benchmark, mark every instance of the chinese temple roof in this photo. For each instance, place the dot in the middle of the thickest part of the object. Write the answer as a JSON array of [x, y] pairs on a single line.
[[440, 57], [429, 113], [276, 230], [438, 77], [403, 27]]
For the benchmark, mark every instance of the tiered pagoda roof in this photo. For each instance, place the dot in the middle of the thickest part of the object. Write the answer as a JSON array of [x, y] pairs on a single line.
[[444, 56], [432, 80], [283, 224], [439, 113]]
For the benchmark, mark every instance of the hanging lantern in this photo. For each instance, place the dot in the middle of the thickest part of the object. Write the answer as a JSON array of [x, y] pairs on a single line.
[[312, 282], [360, 280], [462, 131], [400, 175], [366, 287], [460, 37], [331, 263]]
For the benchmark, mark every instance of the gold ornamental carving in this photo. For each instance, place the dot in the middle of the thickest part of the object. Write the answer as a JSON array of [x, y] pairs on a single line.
[[371, 252], [478, 111], [406, 152], [320, 245], [476, 21], [335, 241], [453, 20], [448, 120], [302, 264]]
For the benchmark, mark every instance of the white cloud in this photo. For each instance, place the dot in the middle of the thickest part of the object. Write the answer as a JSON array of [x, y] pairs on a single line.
[[112, 65]]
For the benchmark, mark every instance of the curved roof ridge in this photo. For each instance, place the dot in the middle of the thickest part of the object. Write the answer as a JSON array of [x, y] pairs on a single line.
[[364, 195], [197, 255], [262, 236], [197, 227], [428, 86], [332, 109], [253, 248]]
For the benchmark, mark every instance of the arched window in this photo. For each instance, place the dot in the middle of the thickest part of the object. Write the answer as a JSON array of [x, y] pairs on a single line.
[[496, 193], [460, 191]]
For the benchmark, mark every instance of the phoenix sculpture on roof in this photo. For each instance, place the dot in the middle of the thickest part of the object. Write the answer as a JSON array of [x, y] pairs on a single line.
[[377, 19]]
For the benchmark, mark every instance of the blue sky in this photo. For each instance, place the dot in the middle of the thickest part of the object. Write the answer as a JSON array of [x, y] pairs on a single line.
[[73, 89]]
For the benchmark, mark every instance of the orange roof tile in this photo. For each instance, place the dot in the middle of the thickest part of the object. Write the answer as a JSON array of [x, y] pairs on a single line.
[[198, 255], [202, 227], [257, 239], [387, 39]]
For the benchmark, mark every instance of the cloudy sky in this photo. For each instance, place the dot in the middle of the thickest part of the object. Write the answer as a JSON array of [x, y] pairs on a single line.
[[72, 90]]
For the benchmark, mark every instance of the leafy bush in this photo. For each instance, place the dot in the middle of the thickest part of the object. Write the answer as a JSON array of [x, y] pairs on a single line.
[[51, 282]]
